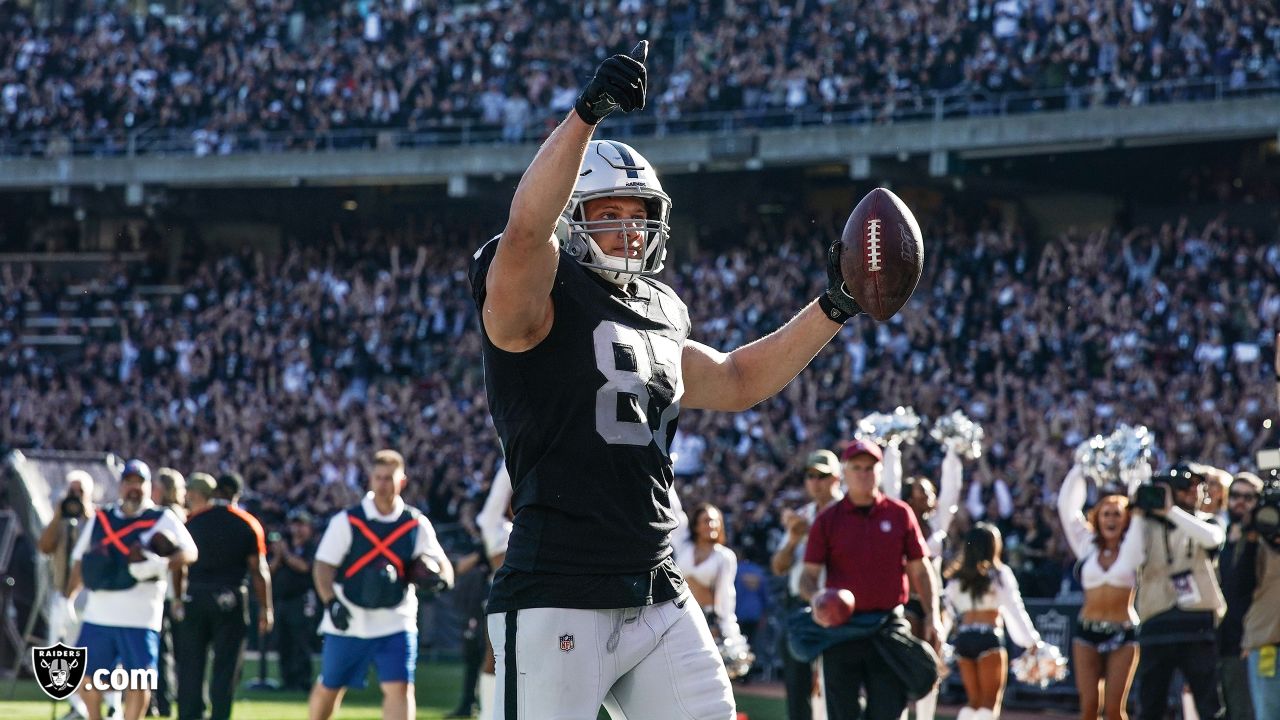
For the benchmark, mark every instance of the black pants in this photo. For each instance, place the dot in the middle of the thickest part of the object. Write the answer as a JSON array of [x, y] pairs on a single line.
[[166, 682], [797, 677], [293, 630], [473, 648], [217, 618], [851, 667], [1198, 662]]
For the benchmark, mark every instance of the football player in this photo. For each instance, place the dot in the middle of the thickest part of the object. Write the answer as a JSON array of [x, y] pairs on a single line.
[[588, 361]]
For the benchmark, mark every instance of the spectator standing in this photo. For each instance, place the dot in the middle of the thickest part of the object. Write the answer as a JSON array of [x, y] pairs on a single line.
[[295, 600], [1237, 566], [126, 584], [871, 545], [371, 614], [216, 601], [822, 486]]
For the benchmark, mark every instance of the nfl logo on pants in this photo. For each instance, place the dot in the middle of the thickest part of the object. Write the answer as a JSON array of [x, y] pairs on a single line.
[[566, 643]]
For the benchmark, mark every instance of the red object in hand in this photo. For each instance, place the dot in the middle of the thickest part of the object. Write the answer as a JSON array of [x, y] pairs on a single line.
[[832, 607]]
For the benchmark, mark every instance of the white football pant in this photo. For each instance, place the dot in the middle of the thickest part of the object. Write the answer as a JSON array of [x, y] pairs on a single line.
[[648, 663]]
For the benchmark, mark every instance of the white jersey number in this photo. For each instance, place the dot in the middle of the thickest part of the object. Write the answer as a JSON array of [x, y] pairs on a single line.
[[638, 354]]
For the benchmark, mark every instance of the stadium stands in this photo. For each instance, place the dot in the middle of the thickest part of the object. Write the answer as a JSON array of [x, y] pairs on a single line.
[[291, 368], [275, 74]]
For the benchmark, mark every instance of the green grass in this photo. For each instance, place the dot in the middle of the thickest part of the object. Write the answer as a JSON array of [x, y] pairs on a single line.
[[437, 689]]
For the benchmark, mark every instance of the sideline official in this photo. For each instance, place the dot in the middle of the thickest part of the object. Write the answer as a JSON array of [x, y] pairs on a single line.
[[214, 605], [362, 569]]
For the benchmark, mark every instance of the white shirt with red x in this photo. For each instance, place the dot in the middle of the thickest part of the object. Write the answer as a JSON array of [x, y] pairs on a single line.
[[380, 622], [141, 606]]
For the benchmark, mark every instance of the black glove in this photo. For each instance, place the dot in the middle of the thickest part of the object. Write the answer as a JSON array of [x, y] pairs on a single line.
[[339, 614], [836, 303], [620, 81]]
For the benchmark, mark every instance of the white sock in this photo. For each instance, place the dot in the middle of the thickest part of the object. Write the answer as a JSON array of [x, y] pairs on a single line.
[[983, 714], [487, 688], [77, 704], [966, 713], [927, 706]]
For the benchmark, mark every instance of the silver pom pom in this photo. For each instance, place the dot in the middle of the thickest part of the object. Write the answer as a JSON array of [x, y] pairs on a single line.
[[1119, 458], [902, 426], [1041, 665], [737, 656], [959, 434]]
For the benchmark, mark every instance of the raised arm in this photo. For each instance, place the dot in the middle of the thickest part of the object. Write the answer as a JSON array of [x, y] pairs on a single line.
[[949, 484], [1205, 534], [1070, 505], [891, 475], [517, 311]]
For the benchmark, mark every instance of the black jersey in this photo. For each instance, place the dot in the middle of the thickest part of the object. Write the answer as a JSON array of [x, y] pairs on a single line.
[[585, 419]]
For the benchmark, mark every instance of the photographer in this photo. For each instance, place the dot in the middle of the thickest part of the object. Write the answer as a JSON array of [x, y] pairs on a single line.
[[1262, 622], [1236, 570], [70, 516], [1179, 600], [295, 600]]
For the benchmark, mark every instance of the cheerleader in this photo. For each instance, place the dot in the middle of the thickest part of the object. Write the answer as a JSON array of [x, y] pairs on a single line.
[[709, 569], [982, 593], [1109, 548]]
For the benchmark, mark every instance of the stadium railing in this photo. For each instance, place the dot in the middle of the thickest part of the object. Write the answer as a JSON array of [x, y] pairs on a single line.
[[937, 106]]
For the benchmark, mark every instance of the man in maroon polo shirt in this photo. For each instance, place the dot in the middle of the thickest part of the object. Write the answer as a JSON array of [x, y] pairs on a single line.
[[871, 545]]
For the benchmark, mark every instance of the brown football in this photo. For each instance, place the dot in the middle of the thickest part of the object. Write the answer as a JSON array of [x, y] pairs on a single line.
[[883, 254]]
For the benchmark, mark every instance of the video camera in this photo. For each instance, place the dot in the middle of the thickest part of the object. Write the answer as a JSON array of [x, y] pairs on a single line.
[[72, 507], [1153, 494], [1266, 516]]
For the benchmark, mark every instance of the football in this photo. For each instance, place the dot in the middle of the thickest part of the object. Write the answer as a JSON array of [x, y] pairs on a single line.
[[832, 607], [882, 255]]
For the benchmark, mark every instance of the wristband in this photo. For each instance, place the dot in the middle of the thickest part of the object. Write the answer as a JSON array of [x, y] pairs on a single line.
[[833, 313]]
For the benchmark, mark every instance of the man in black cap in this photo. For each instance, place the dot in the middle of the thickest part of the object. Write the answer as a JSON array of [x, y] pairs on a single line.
[[291, 558], [216, 601]]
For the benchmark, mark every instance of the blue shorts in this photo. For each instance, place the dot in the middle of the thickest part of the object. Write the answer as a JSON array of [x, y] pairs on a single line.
[[345, 660], [131, 648]]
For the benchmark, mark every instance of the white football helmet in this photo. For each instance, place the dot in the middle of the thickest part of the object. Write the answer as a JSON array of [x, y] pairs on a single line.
[[614, 169]]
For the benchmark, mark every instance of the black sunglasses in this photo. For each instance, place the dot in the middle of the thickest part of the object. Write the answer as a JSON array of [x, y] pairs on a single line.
[[1242, 496]]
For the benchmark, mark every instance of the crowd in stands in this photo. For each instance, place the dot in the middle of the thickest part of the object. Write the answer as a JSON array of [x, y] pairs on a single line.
[[252, 74], [292, 368]]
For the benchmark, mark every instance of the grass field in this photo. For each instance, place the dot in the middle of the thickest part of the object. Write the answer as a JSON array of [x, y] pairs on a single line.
[[437, 688]]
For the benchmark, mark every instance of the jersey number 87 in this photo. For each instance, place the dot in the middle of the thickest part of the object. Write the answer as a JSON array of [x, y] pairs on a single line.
[[630, 361]]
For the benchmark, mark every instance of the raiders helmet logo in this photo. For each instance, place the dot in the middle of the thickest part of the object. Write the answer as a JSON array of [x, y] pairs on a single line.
[[566, 643], [59, 669]]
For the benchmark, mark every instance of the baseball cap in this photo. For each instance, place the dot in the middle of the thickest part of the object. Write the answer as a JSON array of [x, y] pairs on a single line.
[[202, 483], [1183, 475], [823, 461], [862, 447], [136, 467], [299, 514]]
